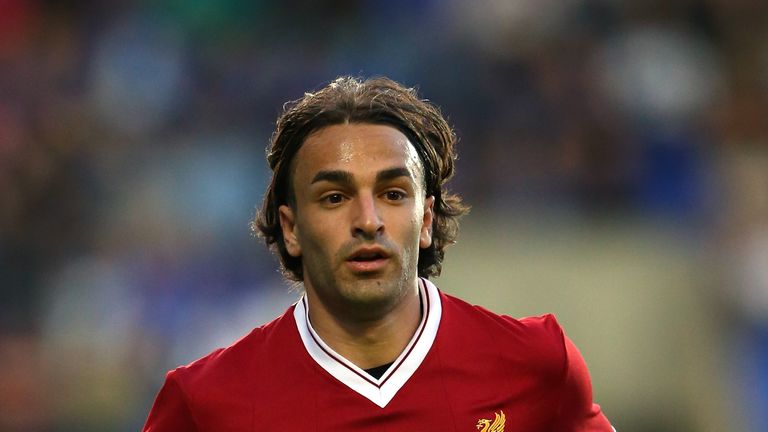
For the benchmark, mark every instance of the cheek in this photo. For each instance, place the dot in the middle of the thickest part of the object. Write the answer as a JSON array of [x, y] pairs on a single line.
[[412, 232], [318, 237]]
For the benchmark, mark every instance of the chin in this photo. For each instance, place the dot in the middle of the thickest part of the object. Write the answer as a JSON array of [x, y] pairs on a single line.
[[373, 290]]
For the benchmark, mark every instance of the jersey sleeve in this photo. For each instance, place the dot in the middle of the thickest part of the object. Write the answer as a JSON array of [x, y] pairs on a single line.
[[578, 413], [170, 412]]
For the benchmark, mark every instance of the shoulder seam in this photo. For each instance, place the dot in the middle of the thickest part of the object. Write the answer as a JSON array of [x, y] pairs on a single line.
[[564, 373], [184, 396]]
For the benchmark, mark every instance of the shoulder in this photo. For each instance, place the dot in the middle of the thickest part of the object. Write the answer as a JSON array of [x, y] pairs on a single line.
[[219, 387], [228, 365], [543, 329], [536, 341], [533, 349]]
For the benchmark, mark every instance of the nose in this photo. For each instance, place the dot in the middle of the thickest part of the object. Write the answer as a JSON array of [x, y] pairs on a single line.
[[367, 222]]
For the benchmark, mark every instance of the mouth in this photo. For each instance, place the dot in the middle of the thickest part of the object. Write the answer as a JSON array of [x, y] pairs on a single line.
[[368, 260]]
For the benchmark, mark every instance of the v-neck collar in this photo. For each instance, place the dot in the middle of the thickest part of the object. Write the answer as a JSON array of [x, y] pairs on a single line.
[[379, 391]]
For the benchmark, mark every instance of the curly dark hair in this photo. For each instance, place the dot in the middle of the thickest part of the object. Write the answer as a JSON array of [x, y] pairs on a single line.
[[374, 101]]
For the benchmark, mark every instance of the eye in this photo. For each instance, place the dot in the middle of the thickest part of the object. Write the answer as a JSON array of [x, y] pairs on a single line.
[[334, 198], [394, 195]]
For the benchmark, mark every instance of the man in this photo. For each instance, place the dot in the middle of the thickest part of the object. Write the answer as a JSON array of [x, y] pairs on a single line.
[[358, 211]]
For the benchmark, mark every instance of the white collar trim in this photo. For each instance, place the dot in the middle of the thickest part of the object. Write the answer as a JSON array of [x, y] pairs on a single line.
[[379, 391]]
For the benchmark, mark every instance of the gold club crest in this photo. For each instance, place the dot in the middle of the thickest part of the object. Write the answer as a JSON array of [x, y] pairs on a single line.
[[495, 425]]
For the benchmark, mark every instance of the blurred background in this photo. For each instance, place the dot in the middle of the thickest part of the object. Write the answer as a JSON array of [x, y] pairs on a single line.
[[615, 154]]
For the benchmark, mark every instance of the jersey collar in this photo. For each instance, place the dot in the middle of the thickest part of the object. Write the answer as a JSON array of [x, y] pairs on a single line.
[[379, 391]]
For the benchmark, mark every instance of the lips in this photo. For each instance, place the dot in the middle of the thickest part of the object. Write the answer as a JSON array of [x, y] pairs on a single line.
[[369, 259]]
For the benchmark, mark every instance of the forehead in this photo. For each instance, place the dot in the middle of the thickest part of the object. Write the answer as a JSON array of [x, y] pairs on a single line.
[[356, 147]]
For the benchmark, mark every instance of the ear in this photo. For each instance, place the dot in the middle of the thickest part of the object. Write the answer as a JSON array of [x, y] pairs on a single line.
[[425, 237], [288, 226]]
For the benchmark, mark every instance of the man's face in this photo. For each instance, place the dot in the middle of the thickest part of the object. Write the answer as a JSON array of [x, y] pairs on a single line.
[[360, 216]]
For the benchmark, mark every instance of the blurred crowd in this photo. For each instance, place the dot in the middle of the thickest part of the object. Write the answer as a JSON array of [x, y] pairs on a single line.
[[132, 138]]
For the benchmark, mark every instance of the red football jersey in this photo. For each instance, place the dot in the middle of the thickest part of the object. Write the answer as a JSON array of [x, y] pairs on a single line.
[[465, 369]]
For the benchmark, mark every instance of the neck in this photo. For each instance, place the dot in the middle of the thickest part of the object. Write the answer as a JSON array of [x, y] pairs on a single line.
[[372, 340]]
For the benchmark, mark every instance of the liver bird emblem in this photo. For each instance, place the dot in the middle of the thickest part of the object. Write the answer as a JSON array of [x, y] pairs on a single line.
[[497, 425]]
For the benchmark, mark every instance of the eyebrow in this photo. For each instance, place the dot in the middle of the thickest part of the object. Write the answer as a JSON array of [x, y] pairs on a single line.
[[393, 173], [346, 178], [335, 176]]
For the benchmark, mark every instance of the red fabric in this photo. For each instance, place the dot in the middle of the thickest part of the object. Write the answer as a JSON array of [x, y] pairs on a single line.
[[480, 364]]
